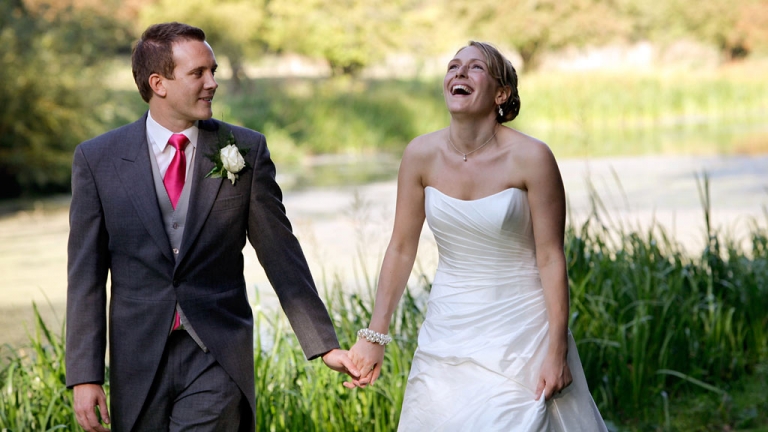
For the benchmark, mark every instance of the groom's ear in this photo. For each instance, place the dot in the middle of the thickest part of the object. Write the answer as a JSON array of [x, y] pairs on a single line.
[[157, 83]]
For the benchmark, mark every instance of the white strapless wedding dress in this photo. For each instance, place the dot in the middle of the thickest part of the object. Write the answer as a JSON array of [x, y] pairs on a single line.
[[484, 337]]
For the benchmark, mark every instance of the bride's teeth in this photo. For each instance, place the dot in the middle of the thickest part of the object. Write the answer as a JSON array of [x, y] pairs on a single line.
[[461, 87]]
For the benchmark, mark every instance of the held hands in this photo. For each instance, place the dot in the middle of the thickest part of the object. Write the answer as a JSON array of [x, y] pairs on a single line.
[[555, 375], [339, 361], [87, 398], [368, 357]]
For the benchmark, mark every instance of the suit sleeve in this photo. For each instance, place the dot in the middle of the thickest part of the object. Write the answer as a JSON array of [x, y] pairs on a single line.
[[279, 252], [87, 269]]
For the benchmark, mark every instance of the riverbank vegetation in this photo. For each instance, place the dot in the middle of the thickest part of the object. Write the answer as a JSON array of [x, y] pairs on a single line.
[[604, 114], [669, 341], [59, 90]]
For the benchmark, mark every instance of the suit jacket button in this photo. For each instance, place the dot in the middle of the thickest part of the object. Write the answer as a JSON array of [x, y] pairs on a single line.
[[176, 283]]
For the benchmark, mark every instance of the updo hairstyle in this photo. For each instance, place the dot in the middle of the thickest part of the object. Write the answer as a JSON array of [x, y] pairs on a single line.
[[501, 69]]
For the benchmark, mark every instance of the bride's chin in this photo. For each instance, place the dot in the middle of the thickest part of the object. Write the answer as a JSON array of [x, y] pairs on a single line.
[[464, 113], [458, 110]]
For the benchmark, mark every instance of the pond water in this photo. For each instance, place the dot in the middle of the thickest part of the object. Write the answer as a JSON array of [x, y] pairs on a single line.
[[687, 137], [342, 211], [344, 228], [330, 171]]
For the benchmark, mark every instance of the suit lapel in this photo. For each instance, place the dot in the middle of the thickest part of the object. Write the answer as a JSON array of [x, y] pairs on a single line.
[[135, 171], [204, 190]]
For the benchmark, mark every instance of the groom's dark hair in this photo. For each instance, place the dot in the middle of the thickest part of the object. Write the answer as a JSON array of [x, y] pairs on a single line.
[[153, 52]]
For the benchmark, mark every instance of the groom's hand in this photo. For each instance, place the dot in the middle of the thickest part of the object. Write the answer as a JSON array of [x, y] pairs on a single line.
[[338, 360], [87, 398]]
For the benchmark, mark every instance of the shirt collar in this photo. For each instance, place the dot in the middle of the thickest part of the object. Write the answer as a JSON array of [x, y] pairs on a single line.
[[159, 135]]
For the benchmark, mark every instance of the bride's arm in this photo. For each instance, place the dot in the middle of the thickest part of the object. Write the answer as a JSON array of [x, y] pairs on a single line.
[[397, 264], [546, 197]]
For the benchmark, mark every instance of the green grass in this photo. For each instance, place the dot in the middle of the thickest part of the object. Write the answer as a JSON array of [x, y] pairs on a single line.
[[33, 396], [657, 327], [605, 114], [668, 341], [579, 114]]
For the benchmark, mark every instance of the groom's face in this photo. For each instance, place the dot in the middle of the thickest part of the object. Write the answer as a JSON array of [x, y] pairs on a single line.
[[190, 93]]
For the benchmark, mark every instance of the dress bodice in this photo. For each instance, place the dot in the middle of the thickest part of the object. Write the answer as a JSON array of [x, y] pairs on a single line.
[[483, 241]]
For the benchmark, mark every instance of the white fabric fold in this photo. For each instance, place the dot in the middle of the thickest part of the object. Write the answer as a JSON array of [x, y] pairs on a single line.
[[484, 337]]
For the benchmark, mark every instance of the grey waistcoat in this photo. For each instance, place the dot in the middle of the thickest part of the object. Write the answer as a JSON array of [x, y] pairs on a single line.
[[173, 221]]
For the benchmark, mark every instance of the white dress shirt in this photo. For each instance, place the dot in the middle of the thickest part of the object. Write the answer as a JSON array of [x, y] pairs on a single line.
[[158, 137]]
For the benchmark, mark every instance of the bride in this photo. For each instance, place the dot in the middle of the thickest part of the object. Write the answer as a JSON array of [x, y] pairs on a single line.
[[494, 351]]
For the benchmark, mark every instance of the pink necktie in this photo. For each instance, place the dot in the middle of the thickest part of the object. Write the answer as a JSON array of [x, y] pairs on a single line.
[[177, 170], [176, 321]]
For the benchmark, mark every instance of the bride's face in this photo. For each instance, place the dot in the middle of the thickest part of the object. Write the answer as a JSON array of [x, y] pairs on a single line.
[[468, 88]]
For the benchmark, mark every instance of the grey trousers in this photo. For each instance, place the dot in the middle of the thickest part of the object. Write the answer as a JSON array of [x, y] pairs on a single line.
[[191, 392]]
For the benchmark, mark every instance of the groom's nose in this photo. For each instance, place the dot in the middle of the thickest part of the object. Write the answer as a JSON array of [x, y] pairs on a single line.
[[210, 81]]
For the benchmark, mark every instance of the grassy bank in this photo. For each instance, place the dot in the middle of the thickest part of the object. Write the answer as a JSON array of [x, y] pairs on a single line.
[[579, 114], [669, 341]]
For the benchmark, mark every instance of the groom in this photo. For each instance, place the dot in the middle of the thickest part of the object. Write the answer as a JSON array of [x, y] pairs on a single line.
[[170, 239]]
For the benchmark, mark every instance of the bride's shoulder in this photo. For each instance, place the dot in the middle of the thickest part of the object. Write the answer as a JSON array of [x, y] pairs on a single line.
[[525, 148], [424, 146]]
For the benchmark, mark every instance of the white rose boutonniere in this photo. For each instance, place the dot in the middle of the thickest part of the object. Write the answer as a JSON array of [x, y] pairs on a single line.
[[228, 161]]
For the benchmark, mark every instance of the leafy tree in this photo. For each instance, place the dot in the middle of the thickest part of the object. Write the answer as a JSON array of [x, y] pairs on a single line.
[[50, 87], [234, 28], [99, 28], [534, 27], [733, 26], [753, 26], [349, 34]]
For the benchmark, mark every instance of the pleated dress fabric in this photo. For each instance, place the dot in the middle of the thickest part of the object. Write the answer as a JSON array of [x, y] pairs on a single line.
[[484, 337]]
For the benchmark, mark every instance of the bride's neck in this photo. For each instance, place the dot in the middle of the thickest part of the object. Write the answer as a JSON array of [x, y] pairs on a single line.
[[469, 134]]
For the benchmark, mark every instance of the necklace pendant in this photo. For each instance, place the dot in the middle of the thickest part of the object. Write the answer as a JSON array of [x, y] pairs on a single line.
[[465, 158]]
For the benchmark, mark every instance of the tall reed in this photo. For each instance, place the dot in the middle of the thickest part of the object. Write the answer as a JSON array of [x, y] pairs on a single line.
[[33, 396], [656, 329], [578, 114], [654, 324], [296, 395]]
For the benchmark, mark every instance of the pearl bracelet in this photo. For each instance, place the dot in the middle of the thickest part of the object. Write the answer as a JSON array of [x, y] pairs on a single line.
[[373, 337]]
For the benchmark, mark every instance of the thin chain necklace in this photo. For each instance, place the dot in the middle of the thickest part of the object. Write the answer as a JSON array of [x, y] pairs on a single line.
[[467, 154]]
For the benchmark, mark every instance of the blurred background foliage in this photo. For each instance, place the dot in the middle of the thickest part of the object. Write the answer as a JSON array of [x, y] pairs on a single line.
[[59, 81], [50, 87], [373, 86]]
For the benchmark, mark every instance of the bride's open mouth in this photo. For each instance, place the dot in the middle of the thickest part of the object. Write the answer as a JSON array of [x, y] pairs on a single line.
[[461, 90]]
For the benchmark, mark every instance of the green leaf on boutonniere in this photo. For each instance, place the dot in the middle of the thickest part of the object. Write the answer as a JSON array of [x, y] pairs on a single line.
[[226, 161]]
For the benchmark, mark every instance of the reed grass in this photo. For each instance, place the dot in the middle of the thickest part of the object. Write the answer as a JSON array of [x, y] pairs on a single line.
[[296, 395], [578, 114], [33, 396], [605, 114], [655, 325], [669, 341]]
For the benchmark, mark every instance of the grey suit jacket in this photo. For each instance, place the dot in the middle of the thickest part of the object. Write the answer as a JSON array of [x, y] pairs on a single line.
[[116, 227]]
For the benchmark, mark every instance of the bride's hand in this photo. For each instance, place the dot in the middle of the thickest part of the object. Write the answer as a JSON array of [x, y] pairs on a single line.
[[367, 357], [555, 375]]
